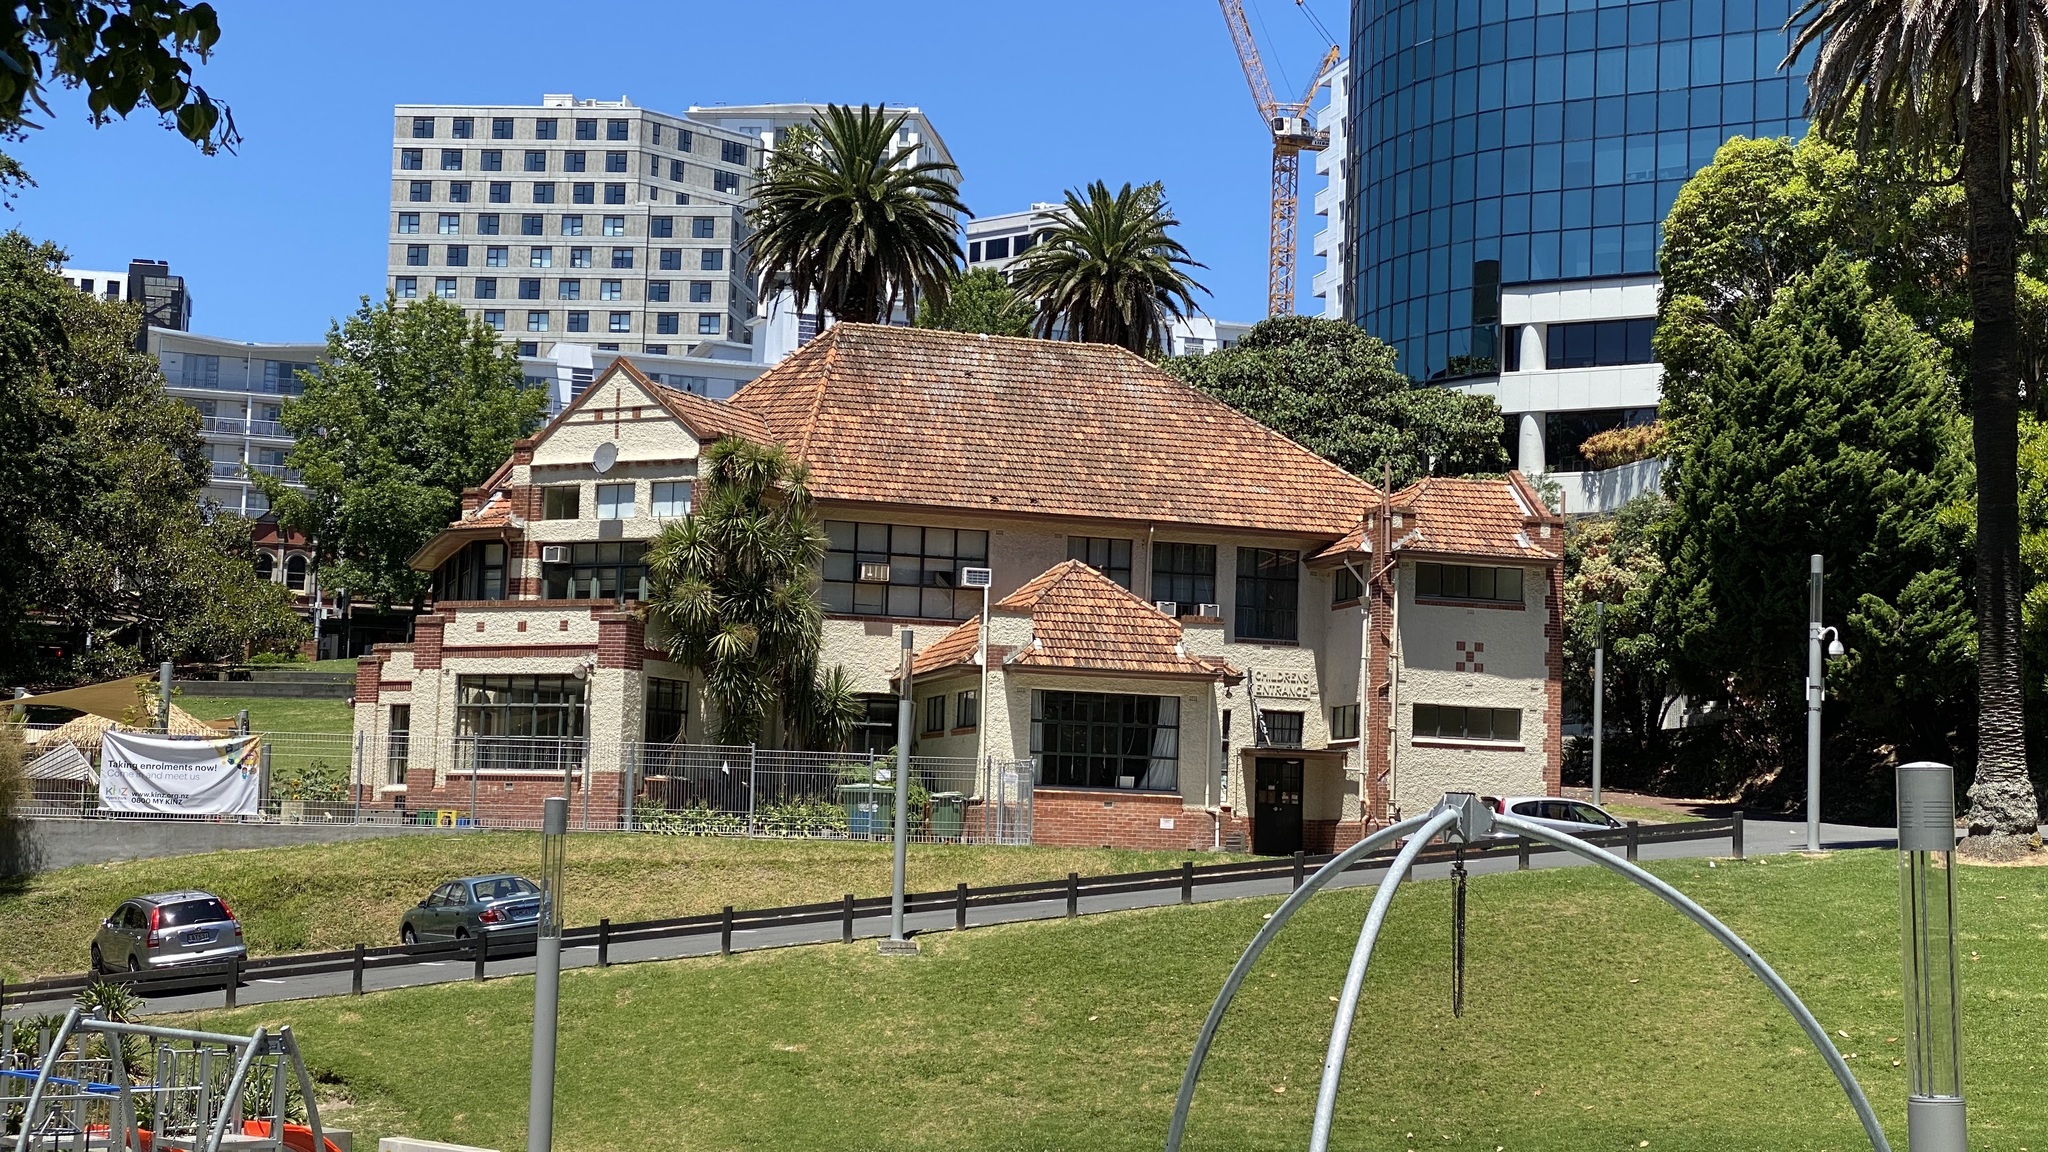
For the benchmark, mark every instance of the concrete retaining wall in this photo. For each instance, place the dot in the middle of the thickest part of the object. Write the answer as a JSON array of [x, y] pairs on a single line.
[[50, 843]]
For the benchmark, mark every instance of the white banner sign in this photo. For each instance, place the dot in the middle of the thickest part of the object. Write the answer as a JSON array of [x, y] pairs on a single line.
[[160, 774]]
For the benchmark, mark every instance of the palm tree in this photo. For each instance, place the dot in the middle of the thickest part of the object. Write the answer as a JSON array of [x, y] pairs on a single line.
[[1934, 79], [1107, 272], [736, 584], [854, 221]]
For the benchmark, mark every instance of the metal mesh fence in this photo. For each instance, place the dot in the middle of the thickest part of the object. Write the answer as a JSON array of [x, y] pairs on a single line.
[[675, 789]]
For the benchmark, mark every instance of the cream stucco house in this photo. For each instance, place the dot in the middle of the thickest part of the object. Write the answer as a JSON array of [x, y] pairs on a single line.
[[1183, 605]]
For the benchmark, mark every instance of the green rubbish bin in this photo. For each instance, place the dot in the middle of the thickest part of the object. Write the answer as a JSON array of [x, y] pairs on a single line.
[[870, 809], [948, 810]]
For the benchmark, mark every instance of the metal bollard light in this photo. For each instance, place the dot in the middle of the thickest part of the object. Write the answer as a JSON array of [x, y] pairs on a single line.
[[1935, 1115]]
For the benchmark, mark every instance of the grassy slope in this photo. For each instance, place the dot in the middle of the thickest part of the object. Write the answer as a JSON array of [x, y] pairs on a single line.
[[1596, 1019], [333, 895], [274, 713]]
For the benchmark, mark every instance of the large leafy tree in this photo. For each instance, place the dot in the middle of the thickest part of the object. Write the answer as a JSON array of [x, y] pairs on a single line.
[[854, 221], [126, 54], [101, 528], [1964, 80], [1613, 561], [1828, 425], [979, 301], [1334, 389], [412, 404], [736, 591], [1108, 270]]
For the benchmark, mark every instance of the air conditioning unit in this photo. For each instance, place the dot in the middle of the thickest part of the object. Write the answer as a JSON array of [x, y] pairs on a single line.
[[976, 577], [1209, 611], [554, 554], [874, 573], [1170, 607]]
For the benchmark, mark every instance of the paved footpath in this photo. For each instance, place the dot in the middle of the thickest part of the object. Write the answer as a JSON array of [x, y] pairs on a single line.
[[1761, 836]]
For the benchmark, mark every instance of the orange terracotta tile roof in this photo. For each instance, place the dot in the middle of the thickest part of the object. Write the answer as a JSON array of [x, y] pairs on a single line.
[[955, 647], [959, 421], [1083, 620], [1498, 519], [492, 513]]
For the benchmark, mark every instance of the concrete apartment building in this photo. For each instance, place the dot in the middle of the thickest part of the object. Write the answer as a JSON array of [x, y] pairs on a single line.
[[588, 221], [1331, 238], [1199, 633], [148, 284]]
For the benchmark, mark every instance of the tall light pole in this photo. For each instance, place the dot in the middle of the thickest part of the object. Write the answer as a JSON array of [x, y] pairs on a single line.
[[898, 944], [981, 578], [547, 975], [1816, 690], [1935, 1120], [1599, 687]]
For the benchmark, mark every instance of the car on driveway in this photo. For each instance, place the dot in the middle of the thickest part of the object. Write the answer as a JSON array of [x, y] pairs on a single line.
[[167, 930], [499, 907], [1574, 816]]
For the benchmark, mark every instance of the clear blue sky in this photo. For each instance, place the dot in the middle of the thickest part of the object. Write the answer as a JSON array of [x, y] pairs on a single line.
[[1031, 98]]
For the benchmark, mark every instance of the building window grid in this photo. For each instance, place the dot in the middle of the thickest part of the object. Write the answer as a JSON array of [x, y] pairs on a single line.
[[1459, 165], [1109, 556], [1184, 574], [1106, 740], [922, 570], [1268, 594]]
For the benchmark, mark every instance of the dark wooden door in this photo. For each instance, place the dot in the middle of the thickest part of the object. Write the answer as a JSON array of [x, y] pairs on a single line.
[[1276, 806]]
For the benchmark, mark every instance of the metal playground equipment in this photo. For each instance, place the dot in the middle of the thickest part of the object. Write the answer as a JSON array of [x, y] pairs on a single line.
[[1461, 818], [100, 1085]]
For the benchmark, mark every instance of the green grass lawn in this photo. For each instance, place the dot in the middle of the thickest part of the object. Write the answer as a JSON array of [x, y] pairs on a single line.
[[274, 713], [334, 895], [1596, 1019]]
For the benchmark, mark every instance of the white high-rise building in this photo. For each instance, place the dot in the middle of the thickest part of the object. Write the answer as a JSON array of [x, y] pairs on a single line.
[[588, 221], [1328, 242]]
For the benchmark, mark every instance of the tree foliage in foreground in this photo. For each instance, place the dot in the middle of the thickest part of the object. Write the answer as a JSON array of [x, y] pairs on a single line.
[[736, 592], [1334, 389], [1108, 270], [1828, 424], [979, 301], [102, 535], [413, 403]]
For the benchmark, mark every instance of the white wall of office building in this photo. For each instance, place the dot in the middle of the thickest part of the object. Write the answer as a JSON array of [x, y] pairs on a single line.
[[1327, 242]]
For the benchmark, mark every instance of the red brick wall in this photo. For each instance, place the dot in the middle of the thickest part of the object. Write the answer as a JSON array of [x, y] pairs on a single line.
[[517, 807], [1553, 688], [621, 638], [426, 641], [1322, 837], [369, 671], [1373, 735], [1083, 818]]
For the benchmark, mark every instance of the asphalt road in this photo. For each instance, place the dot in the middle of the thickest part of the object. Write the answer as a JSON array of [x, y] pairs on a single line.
[[1762, 837]]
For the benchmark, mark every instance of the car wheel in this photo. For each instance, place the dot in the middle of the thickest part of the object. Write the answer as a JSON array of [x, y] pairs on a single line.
[[134, 965], [407, 936], [99, 962], [462, 933]]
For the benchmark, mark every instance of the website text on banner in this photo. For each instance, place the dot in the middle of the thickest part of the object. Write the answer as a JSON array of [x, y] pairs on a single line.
[[169, 775]]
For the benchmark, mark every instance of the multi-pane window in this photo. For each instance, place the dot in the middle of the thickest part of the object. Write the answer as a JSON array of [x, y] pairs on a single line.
[[532, 224], [1109, 556], [609, 571], [536, 160], [572, 225], [703, 228], [458, 256], [586, 129], [416, 255], [611, 289], [487, 289], [615, 193], [494, 317], [709, 323], [668, 711], [536, 322], [614, 501], [487, 223], [583, 193], [544, 128], [411, 159], [675, 172], [405, 287], [621, 322], [657, 291], [685, 140], [671, 499], [529, 288], [1345, 587], [711, 259], [579, 321], [616, 130], [561, 502], [1184, 574], [614, 226], [491, 160], [579, 257], [408, 222], [540, 257], [501, 128], [1599, 343], [935, 714], [398, 741], [495, 256], [1468, 582], [671, 259], [475, 572], [732, 152], [569, 289], [458, 191], [622, 257], [420, 190], [667, 324], [535, 706], [1105, 740], [499, 191], [451, 159], [423, 127], [1344, 722], [575, 161], [901, 570], [700, 291], [615, 161], [1456, 722], [661, 227], [1280, 729], [462, 127], [967, 709], [449, 224], [1268, 593], [725, 182], [1564, 433], [543, 192]]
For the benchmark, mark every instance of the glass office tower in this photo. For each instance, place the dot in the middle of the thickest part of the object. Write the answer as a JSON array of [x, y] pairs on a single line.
[[1503, 144]]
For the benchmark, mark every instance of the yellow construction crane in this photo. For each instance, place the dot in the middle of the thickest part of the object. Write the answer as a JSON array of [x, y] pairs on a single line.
[[1292, 135]]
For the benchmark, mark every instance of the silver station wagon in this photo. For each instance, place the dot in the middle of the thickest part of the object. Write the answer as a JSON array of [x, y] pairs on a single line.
[[167, 930]]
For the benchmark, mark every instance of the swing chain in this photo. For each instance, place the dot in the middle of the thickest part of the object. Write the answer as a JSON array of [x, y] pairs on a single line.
[[1458, 932]]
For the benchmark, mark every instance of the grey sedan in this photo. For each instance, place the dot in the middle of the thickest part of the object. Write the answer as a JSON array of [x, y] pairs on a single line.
[[166, 930], [1573, 816], [501, 907]]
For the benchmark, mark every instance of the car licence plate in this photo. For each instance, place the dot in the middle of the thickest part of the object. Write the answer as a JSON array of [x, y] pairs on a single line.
[[198, 936]]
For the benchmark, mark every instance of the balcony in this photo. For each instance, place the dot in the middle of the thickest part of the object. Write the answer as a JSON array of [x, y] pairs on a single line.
[[237, 470], [223, 424]]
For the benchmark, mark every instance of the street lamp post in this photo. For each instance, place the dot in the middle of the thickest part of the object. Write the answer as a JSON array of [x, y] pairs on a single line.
[[547, 981], [1816, 690], [1599, 687], [898, 944], [1935, 1120]]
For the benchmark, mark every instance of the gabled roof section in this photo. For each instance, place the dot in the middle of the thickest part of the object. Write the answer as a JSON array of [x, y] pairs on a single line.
[[1084, 621], [1503, 519], [954, 648], [920, 417]]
